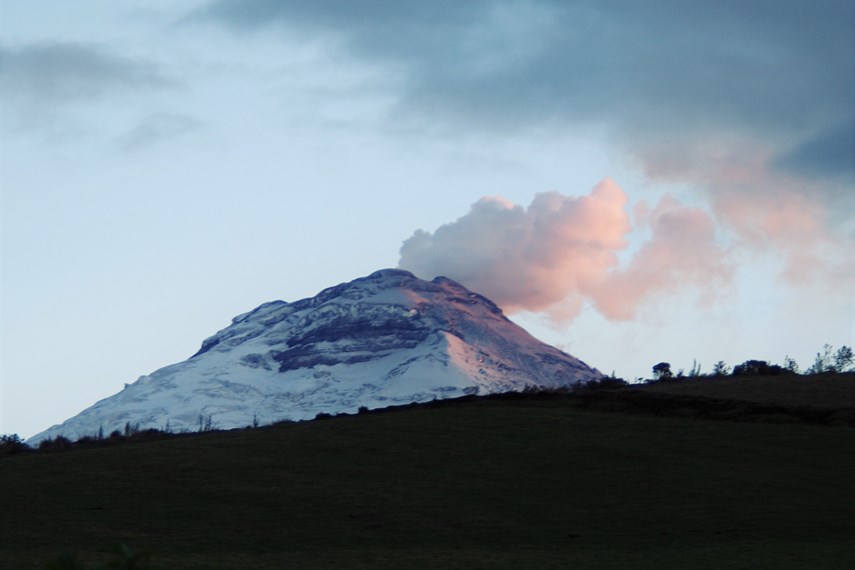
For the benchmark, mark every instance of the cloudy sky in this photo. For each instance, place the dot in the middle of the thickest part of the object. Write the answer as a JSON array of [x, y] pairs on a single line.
[[632, 181]]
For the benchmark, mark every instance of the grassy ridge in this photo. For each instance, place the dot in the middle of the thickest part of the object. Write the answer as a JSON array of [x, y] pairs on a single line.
[[821, 399], [820, 391], [532, 482]]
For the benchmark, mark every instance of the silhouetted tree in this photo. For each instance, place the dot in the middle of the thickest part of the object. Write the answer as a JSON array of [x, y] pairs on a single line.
[[757, 368], [662, 371], [59, 443], [206, 423], [604, 383], [823, 362], [12, 444], [790, 365], [131, 429], [720, 369], [696, 369], [843, 359]]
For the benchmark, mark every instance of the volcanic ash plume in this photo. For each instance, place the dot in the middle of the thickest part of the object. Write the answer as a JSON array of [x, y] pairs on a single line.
[[562, 251]]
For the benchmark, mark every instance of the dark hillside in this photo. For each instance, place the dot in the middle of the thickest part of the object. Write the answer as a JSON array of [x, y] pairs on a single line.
[[821, 399], [526, 483], [824, 391]]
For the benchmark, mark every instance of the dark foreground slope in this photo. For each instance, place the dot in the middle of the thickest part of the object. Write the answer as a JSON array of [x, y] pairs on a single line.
[[527, 483], [826, 391], [821, 399]]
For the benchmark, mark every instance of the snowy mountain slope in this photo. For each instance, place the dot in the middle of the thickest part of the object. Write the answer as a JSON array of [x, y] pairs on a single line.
[[385, 339]]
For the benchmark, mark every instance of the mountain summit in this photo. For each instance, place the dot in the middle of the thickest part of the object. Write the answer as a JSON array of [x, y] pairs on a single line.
[[385, 339]]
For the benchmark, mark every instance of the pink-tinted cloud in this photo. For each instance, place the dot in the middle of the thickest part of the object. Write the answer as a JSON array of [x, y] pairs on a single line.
[[681, 252], [798, 221], [533, 258], [803, 223], [562, 251], [790, 226]]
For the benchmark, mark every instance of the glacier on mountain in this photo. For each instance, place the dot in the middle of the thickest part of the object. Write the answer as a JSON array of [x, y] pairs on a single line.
[[385, 339]]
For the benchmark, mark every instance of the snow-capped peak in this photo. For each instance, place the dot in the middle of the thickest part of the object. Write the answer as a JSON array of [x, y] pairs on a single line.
[[388, 338]]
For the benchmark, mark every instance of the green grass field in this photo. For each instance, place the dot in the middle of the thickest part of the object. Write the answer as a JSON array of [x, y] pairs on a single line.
[[527, 483]]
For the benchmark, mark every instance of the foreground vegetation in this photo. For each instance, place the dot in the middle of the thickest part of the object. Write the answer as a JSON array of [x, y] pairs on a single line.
[[826, 361], [520, 481]]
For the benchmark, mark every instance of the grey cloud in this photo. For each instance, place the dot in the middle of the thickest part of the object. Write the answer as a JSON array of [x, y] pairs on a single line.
[[776, 66], [740, 99], [157, 128], [376, 25], [830, 154], [38, 80], [727, 95]]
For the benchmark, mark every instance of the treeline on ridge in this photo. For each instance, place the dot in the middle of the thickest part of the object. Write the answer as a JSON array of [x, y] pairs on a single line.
[[826, 361]]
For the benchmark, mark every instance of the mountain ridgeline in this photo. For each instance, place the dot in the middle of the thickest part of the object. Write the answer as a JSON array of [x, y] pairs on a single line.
[[385, 339]]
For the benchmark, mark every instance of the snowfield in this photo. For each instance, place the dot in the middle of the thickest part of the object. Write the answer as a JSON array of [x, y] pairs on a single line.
[[385, 339]]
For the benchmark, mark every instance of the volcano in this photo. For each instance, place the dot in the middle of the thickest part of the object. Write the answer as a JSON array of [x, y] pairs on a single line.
[[386, 339]]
